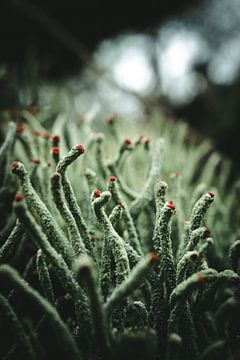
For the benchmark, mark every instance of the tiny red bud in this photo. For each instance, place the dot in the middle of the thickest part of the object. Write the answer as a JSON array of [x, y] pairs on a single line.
[[56, 139], [127, 141], [19, 197], [111, 118], [80, 148], [36, 161], [207, 233], [34, 257], [200, 278], [112, 178], [97, 193], [171, 205], [146, 140], [200, 262], [20, 129], [49, 164], [15, 165], [55, 150], [194, 257], [211, 194], [56, 176], [153, 257], [120, 206]]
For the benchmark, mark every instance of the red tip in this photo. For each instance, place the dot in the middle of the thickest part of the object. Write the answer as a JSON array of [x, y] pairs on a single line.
[[146, 140], [112, 178], [127, 141], [15, 165], [56, 139], [97, 193], [171, 205], [34, 257], [49, 164], [206, 233], [80, 148], [211, 194], [120, 206], [153, 257], [194, 257], [110, 119], [19, 197], [200, 278], [55, 150], [36, 161], [20, 129], [56, 176]]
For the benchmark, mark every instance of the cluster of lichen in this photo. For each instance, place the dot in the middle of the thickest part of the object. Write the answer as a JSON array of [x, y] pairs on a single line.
[[105, 248]]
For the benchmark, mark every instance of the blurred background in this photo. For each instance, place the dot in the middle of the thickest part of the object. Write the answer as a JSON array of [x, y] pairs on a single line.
[[128, 57]]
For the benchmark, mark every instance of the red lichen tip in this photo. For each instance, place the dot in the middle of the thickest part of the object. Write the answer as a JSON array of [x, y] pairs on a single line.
[[120, 206], [200, 278], [146, 140], [153, 257], [19, 197], [206, 233], [97, 193], [49, 164], [112, 178], [80, 148], [93, 238], [56, 176], [127, 141], [194, 256], [111, 118], [20, 129], [55, 150], [210, 193], [36, 161], [34, 257], [15, 165], [56, 139], [171, 205]]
